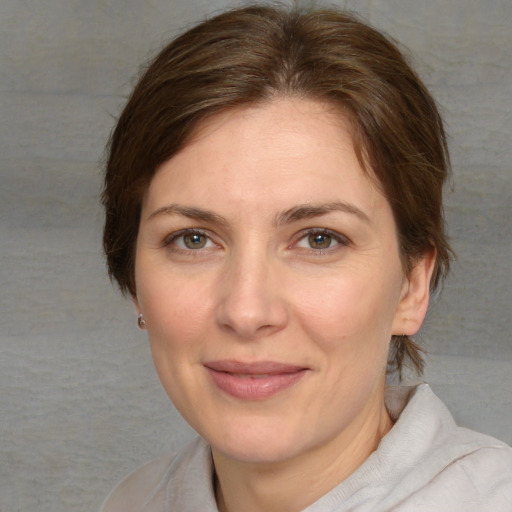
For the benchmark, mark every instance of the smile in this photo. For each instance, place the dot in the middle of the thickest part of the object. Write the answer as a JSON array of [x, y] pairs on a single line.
[[253, 381]]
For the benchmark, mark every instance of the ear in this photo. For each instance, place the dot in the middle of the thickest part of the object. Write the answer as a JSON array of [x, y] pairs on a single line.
[[415, 296], [141, 323]]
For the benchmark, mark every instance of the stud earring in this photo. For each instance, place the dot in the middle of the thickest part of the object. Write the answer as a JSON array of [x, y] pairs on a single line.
[[141, 323]]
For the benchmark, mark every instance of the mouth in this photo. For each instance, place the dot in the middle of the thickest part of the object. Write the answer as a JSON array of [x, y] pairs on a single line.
[[253, 381]]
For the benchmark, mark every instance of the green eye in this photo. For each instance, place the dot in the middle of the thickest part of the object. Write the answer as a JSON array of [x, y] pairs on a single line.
[[320, 241], [188, 241], [194, 241]]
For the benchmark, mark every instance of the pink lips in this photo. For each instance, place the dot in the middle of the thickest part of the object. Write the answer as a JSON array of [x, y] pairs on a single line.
[[253, 381]]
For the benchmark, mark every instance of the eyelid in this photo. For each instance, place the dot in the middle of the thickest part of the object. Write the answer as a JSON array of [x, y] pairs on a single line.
[[170, 238], [341, 239]]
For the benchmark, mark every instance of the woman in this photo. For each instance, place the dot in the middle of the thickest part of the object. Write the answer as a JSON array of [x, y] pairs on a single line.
[[274, 207]]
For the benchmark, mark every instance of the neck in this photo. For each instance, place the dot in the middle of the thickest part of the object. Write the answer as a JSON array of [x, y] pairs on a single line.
[[293, 484]]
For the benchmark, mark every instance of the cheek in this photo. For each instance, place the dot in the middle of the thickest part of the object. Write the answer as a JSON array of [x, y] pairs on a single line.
[[348, 314], [176, 311], [177, 326]]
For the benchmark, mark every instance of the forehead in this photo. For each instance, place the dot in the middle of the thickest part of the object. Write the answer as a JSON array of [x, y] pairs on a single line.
[[291, 150], [278, 121]]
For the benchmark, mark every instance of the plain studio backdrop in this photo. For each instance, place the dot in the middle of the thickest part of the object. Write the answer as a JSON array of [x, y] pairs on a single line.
[[80, 404]]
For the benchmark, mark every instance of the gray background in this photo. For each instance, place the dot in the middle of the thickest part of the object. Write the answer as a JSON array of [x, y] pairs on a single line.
[[80, 405]]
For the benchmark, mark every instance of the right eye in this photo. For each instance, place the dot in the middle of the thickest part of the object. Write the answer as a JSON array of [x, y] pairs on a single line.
[[189, 240]]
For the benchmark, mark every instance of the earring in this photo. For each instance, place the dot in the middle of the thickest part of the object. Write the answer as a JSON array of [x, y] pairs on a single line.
[[141, 323]]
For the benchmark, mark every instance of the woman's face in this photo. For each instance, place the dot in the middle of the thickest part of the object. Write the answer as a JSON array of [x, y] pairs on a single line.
[[269, 277]]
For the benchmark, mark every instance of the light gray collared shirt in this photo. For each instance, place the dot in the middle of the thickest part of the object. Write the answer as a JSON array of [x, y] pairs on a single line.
[[426, 463]]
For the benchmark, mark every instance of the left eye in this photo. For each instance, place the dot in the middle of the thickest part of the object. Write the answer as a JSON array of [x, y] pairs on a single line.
[[319, 240]]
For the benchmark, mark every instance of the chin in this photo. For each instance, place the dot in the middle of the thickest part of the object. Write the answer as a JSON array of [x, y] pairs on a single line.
[[259, 452], [259, 442]]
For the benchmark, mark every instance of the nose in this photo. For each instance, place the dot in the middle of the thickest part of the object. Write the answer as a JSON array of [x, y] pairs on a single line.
[[251, 303]]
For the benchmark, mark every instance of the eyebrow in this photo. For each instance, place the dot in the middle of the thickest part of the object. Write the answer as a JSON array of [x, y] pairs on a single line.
[[295, 214], [308, 211], [190, 212]]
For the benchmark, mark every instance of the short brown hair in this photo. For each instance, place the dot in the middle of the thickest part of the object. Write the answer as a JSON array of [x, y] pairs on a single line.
[[257, 53]]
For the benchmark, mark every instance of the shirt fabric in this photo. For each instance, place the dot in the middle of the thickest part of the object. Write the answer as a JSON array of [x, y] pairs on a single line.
[[426, 463]]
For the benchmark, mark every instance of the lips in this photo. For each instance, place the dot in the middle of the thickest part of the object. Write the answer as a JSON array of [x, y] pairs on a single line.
[[253, 381]]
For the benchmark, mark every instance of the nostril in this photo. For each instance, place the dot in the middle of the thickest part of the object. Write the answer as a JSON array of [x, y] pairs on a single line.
[[251, 320]]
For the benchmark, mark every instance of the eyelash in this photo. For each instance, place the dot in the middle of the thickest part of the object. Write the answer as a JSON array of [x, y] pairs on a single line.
[[173, 237], [337, 237]]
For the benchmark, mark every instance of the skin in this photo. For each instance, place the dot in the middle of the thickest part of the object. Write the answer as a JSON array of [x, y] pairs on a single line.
[[251, 282]]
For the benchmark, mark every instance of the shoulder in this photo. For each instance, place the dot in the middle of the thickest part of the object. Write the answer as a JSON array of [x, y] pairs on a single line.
[[483, 469], [143, 486], [451, 467], [480, 480], [133, 491]]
